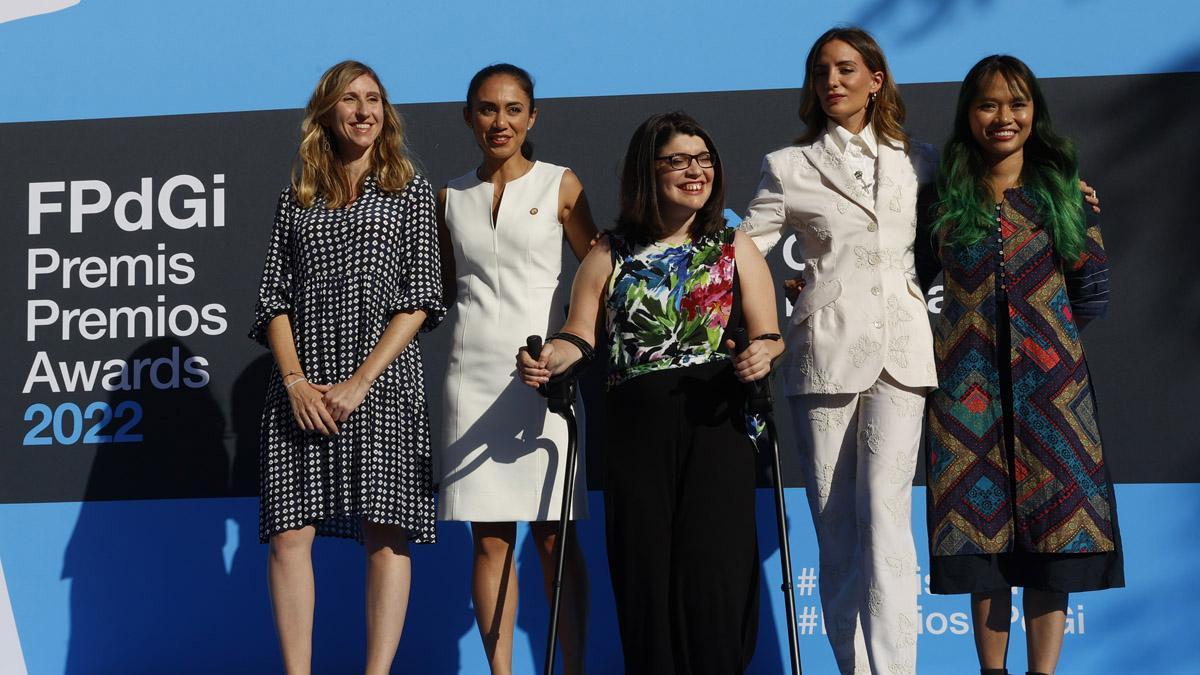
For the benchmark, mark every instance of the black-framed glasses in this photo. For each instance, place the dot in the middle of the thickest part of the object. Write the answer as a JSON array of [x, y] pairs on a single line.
[[679, 161]]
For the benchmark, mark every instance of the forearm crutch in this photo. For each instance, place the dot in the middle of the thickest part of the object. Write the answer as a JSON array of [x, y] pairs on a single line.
[[560, 393], [758, 402]]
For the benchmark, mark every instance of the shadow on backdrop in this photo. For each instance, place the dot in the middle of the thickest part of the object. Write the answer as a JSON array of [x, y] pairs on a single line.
[[148, 583], [439, 611]]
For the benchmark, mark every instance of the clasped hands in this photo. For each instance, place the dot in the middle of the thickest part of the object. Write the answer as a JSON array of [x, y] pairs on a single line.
[[319, 407]]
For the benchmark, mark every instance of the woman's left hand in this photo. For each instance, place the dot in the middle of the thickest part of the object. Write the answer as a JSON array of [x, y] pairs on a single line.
[[1090, 195], [345, 396], [753, 363]]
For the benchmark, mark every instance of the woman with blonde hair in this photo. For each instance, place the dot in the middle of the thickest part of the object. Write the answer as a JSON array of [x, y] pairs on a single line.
[[352, 274]]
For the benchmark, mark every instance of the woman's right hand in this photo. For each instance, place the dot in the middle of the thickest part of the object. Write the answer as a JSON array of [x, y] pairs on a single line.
[[309, 407], [535, 373]]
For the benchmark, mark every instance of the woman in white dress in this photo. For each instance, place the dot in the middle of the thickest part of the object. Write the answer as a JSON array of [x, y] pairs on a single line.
[[503, 454]]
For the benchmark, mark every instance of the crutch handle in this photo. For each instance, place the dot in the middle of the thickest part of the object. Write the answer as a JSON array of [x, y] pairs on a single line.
[[740, 340], [560, 391], [758, 400], [533, 344]]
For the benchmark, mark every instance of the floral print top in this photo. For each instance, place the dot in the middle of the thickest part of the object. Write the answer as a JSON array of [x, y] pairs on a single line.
[[668, 305]]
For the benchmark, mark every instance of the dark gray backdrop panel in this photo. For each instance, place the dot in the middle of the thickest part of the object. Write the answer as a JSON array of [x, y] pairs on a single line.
[[203, 442]]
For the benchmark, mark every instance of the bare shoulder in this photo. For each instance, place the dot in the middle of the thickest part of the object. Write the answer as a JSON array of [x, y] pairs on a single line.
[[570, 187], [570, 180], [602, 249], [743, 245], [599, 258]]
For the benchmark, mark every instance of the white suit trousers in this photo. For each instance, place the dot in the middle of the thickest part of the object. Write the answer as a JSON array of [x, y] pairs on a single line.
[[859, 453]]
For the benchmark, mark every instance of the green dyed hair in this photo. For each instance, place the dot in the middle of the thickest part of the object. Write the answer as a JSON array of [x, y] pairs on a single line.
[[1050, 172]]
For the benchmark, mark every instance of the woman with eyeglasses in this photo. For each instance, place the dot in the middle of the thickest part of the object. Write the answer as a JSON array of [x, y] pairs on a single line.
[[669, 284]]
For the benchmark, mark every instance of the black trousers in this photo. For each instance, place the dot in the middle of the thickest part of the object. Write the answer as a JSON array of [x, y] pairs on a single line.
[[679, 505]]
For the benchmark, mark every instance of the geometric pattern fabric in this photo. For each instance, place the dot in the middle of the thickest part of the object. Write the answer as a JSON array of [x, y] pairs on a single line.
[[1050, 491]]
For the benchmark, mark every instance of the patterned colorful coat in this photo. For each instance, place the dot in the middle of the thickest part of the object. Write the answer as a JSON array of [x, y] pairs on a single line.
[[1052, 493]]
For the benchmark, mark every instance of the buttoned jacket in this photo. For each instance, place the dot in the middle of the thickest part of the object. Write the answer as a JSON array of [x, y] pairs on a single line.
[[861, 311]]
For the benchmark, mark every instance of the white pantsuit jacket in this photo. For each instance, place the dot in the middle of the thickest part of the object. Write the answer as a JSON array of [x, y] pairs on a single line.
[[861, 311]]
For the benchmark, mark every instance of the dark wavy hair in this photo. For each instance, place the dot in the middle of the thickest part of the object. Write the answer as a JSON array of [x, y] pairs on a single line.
[[639, 220], [1050, 172], [886, 112], [523, 78]]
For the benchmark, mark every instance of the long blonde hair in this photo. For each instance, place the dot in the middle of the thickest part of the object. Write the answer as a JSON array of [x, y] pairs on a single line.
[[318, 173], [885, 110]]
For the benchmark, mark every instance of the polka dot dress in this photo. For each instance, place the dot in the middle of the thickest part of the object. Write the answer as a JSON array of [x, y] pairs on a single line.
[[341, 274]]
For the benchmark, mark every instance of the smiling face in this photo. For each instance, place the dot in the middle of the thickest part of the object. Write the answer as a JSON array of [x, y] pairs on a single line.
[[356, 120], [1001, 118], [843, 84], [500, 115], [682, 192]]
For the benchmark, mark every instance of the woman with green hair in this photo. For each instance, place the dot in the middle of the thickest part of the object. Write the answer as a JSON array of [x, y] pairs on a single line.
[[1019, 492]]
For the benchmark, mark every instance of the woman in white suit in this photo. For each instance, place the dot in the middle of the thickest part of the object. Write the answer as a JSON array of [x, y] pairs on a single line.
[[859, 343]]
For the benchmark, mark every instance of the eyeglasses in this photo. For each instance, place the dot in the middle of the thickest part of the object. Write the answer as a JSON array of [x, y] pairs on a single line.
[[679, 161]]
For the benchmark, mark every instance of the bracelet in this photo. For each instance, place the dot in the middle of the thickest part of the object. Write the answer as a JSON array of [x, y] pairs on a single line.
[[295, 382], [580, 344], [770, 336], [291, 373]]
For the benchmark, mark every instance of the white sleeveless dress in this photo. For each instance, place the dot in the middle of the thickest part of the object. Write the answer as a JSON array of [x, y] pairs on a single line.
[[502, 454]]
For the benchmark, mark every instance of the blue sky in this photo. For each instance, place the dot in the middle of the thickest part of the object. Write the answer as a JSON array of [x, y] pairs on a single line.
[[121, 58]]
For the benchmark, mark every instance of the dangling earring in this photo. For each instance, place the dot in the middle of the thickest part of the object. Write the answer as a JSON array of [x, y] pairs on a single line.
[[325, 142]]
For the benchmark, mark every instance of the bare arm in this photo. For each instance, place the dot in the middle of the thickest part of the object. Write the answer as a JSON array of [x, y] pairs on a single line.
[[758, 312], [446, 251], [416, 305], [305, 397], [344, 397], [575, 214], [587, 304]]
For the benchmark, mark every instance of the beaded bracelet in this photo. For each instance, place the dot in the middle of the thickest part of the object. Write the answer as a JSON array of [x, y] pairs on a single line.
[[580, 344]]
